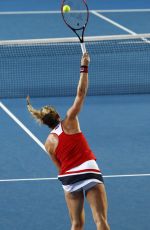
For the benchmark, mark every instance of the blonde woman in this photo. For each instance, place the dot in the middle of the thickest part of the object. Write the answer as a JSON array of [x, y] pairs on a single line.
[[76, 163]]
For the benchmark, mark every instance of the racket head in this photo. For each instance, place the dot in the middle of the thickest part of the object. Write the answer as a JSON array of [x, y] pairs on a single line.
[[78, 16]]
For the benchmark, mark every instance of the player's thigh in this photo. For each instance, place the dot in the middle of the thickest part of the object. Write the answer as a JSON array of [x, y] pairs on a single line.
[[75, 203], [97, 199]]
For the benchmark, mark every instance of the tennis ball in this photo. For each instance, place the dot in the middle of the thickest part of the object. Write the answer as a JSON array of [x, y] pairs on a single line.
[[66, 9]]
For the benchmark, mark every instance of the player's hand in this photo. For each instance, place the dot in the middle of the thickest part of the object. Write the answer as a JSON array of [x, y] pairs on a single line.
[[85, 60]]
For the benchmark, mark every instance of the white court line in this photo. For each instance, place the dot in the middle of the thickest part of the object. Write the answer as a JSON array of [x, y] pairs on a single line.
[[27, 179], [58, 11], [118, 25], [123, 10], [55, 178], [28, 12], [127, 175], [14, 118], [113, 22]]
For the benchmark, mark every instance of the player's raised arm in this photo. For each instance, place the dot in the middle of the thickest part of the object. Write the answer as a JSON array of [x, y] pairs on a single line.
[[81, 89]]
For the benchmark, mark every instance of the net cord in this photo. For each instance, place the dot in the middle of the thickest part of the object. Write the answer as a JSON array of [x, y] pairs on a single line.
[[73, 39]]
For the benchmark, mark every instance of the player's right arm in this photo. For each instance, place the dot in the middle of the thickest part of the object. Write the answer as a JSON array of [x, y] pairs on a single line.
[[50, 146], [81, 89]]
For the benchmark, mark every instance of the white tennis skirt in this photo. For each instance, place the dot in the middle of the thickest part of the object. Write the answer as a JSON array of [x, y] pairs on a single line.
[[81, 185], [82, 177]]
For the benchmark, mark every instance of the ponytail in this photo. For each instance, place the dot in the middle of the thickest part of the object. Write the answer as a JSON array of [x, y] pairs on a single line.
[[47, 115], [36, 114]]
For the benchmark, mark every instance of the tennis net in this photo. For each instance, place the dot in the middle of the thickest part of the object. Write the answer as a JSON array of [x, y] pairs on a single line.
[[50, 67]]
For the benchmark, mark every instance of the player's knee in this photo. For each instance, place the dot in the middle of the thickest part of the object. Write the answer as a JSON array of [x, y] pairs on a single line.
[[101, 223], [77, 225], [102, 226]]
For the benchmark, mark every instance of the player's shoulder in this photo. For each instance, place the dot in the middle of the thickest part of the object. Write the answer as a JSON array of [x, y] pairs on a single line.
[[67, 121], [51, 141], [71, 125]]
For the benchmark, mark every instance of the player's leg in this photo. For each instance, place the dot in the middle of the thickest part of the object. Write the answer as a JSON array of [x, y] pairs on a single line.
[[75, 203], [97, 199]]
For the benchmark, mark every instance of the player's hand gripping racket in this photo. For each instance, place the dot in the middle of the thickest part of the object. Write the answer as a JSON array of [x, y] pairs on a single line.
[[75, 14]]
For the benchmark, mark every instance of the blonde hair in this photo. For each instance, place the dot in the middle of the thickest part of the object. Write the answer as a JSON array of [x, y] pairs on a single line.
[[36, 114], [46, 115]]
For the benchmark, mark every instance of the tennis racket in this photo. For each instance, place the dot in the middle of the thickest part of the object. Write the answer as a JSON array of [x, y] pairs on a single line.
[[77, 18]]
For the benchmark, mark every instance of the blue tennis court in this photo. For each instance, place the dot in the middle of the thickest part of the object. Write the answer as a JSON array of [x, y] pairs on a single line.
[[31, 197]]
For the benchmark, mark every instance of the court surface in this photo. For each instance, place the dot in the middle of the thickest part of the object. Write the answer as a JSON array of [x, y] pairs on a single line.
[[31, 197]]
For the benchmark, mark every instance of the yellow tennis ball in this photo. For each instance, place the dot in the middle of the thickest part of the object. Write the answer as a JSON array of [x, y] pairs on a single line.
[[66, 9]]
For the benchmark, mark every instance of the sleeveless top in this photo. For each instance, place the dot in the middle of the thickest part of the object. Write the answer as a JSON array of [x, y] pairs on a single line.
[[72, 150]]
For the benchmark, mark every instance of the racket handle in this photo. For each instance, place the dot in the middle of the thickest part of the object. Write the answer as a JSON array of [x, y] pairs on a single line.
[[83, 47]]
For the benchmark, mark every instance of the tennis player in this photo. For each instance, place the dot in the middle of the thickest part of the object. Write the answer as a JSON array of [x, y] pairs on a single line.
[[76, 163]]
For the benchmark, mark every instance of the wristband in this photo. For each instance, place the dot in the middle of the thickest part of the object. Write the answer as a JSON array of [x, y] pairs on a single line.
[[84, 69]]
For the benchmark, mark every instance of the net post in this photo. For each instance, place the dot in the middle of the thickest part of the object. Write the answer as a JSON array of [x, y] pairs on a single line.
[[83, 47]]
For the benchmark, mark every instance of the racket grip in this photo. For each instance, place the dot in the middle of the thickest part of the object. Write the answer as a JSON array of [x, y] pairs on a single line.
[[83, 47]]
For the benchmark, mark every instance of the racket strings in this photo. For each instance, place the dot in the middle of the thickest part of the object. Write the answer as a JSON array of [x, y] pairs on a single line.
[[77, 17]]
